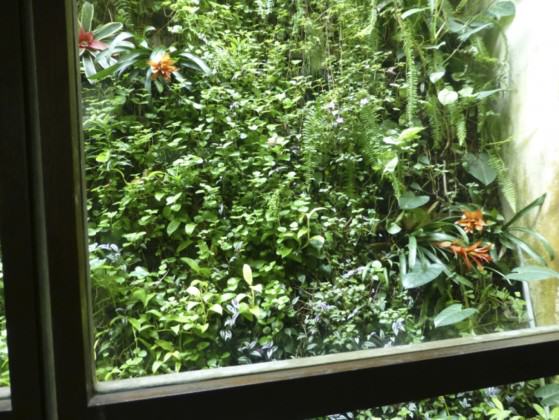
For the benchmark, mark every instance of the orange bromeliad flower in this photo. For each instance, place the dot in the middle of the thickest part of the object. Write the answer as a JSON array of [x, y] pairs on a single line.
[[162, 65], [479, 254], [471, 221]]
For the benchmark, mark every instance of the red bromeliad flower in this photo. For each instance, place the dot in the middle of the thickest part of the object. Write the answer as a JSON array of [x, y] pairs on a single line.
[[479, 254], [472, 220], [87, 41]]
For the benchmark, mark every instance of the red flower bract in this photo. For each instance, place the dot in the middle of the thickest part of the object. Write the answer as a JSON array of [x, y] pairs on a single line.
[[476, 252], [87, 41]]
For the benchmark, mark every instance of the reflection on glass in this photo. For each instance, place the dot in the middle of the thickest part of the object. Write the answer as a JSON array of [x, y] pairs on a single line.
[[523, 400], [4, 368], [279, 179]]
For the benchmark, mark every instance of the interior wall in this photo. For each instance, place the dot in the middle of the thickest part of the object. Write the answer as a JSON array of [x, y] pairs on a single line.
[[533, 153]]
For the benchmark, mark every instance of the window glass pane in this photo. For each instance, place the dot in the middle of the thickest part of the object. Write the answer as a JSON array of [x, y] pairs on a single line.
[[523, 400], [279, 179]]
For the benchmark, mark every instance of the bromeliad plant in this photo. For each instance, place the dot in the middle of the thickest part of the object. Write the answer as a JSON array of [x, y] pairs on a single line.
[[474, 246], [99, 47], [157, 65]]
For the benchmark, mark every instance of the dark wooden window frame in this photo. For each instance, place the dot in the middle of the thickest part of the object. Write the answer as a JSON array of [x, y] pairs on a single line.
[[44, 247]]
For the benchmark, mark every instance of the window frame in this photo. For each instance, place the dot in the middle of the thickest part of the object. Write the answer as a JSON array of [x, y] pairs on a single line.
[[49, 258]]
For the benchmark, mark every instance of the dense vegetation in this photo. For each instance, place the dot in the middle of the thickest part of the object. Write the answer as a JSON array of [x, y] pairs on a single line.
[[289, 178]]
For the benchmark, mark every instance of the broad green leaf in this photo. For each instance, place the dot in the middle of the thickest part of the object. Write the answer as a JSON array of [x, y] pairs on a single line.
[[421, 275], [173, 226], [391, 165], [532, 273], [317, 242], [447, 96], [478, 166], [452, 315], [200, 64], [410, 201], [247, 274], [86, 16]]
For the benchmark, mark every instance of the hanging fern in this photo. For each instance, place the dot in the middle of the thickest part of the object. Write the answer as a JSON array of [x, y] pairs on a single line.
[[503, 177], [411, 72]]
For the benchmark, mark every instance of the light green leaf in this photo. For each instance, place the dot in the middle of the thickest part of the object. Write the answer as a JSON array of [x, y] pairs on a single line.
[[390, 167], [412, 251], [217, 309], [410, 201], [393, 229], [86, 16], [194, 291], [532, 273], [436, 76], [247, 274], [105, 31], [189, 228], [173, 226], [88, 66], [421, 275], [409, 134], [413, 11], [502, 9], [317, 242], [192, 264], [452, 315], [478, 166]]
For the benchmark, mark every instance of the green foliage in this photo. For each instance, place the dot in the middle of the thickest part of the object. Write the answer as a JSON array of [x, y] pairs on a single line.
[[304, 196]]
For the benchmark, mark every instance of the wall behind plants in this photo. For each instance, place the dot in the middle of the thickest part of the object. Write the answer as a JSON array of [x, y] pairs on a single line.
[[533, 155], [306, 196]]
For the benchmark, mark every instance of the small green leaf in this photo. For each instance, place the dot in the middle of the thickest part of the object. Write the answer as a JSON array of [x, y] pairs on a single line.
[[173, 226], [393, 229], [409, 134], [478, 166], [502, 9], [410, 201], [452, 315], [194, 291], [192, 264], [436, 76], [189, 228], [317, 242], [413, 11], [421, 275], [247, 274], [532, 273], [217, 309]]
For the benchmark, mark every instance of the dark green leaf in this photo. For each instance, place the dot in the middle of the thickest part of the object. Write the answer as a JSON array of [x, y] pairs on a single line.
[[422, 274], [479, 167]]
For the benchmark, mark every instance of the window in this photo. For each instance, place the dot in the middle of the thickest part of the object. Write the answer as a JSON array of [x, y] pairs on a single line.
[[44, 243]]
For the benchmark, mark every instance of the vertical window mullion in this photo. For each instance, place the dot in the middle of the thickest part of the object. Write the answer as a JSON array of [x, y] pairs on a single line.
[[26, 290], [55, 42]]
